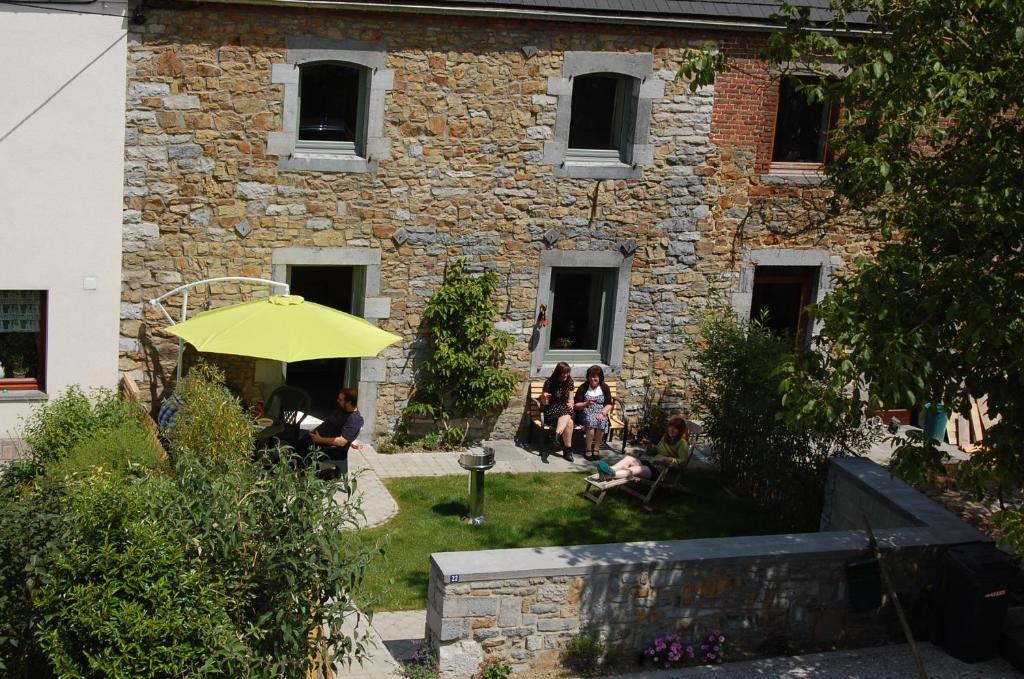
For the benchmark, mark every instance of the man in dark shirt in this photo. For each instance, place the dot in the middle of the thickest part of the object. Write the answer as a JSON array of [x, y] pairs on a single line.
[[339, 430]]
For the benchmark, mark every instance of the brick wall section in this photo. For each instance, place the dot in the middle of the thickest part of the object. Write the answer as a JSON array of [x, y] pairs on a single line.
[[467, 117], [746, 100], [765, 593]]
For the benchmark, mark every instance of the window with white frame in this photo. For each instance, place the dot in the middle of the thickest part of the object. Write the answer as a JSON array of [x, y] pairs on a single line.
[[581, 304], [603, 114], [332, 108]]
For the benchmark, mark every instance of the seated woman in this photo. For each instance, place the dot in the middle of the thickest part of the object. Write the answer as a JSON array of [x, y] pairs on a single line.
[[554, 399], [672, 450]]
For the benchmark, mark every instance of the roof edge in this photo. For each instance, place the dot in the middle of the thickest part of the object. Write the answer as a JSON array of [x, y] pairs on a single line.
[[519, 13]]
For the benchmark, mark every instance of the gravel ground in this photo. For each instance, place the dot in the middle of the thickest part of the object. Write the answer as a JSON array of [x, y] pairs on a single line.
[[885, 662]]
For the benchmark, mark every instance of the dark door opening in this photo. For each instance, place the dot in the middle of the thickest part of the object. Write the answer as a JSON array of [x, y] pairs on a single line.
[[780, 298], [339, 287]]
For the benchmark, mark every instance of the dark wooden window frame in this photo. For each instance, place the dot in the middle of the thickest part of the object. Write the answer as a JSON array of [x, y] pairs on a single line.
[[831, 118], [806, 281]]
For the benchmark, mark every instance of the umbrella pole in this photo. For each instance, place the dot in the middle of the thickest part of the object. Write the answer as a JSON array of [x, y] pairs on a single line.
[[181, 342]]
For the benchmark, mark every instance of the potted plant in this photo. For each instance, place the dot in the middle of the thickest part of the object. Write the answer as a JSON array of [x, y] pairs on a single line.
[[17, 365]]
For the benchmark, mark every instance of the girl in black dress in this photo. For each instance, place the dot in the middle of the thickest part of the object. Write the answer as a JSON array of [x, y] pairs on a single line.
[[555, 399]]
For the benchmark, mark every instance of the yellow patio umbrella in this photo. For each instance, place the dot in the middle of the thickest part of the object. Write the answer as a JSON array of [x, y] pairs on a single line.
[[283, 328]]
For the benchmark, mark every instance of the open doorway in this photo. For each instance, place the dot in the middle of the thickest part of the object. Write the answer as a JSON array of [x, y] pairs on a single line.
[[780, 298], [341, 288]]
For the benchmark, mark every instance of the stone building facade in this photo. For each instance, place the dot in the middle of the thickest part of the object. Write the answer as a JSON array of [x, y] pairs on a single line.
[[463, 151]]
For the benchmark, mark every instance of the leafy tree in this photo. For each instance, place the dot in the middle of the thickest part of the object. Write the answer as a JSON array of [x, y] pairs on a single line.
[[928, 151]]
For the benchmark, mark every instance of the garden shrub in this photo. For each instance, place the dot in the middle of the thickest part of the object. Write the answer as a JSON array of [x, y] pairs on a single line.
[[737, 397], [122, 598], [672, 652], [54, 428], [493, 668], [120, 450], [285, 553], [30, 532], [463, 374], [584, 654], [210, 423], [213, 571], [422, 665]]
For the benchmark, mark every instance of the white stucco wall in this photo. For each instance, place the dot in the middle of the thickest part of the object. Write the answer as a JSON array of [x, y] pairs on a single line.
[[61, 178]]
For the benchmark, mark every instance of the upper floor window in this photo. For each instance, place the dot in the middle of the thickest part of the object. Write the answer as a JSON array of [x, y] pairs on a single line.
[[603, 111], [801, 127], [333, 114], [332, 108], [603, 116]]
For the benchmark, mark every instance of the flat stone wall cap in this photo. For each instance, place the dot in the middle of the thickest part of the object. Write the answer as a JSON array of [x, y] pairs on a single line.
[[498, 564], [945, 526]]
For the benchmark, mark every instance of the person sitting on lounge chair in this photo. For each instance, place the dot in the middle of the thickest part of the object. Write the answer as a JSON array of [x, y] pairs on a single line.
[[672, 450]]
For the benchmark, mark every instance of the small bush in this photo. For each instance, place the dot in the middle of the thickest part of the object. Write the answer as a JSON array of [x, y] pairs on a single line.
[[56, 427], [493, 668], [285, 550], [211, 423], [671, 652], [239, 572], [129, 447], [423, 665], [584, 654], [30, 533]]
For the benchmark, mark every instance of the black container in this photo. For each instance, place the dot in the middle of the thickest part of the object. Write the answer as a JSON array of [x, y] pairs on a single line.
[[973, 598], [864, 582]]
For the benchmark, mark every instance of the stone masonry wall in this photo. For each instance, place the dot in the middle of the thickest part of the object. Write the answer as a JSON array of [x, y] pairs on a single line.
[[467, 117], [767, 594]]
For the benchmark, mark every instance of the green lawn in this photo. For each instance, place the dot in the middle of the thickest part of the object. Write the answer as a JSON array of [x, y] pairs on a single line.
[[532, 510]]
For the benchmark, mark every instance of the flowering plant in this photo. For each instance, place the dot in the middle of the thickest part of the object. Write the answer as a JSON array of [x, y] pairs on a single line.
[[670, 651]]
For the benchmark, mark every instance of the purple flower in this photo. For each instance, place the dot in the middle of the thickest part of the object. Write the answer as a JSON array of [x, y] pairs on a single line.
[[721, 637]]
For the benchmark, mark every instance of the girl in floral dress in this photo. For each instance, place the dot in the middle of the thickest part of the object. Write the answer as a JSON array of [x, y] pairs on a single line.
[[593, 404]]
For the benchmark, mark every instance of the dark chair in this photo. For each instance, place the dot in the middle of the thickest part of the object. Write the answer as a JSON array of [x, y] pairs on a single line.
[[289, 405]]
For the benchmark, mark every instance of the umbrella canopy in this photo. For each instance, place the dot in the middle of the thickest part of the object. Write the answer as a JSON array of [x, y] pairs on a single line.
[[283, 328]]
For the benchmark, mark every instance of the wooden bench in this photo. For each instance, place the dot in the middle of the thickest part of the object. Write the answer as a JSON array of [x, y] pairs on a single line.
[[618, 421]]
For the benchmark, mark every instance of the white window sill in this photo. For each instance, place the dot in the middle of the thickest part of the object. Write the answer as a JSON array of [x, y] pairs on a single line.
[[326, 162], [578, 370], [794, 174], [597, 169]]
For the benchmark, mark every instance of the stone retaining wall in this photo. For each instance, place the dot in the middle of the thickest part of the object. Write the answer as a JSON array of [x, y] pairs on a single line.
[[768, 593]]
